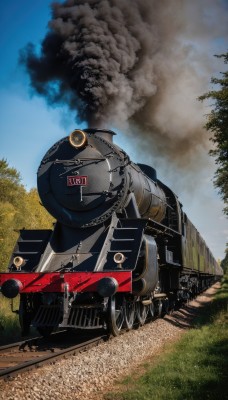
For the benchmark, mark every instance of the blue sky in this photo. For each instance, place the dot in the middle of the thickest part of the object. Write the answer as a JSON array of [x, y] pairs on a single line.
[[28, 127]]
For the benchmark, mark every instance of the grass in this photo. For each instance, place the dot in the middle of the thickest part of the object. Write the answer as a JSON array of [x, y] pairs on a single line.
[[196, 367], [9, 323]]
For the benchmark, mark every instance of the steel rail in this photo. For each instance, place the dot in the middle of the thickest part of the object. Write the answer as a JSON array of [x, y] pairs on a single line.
[[40, 361], [23, 343], [11, 346]]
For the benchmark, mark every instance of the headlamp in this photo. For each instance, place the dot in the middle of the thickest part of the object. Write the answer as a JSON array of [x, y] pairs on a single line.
[[119, 258], [18, 261], [78, 139]]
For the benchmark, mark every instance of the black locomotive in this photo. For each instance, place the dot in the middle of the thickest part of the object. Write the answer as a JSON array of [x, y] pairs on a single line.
[[121, 248]]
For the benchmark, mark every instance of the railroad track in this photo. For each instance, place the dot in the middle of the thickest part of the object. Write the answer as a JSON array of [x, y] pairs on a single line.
[[33, 353], [22, 356], [26, 355]]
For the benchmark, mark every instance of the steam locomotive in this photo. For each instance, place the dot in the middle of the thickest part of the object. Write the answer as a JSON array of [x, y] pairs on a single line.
[[122, 247]]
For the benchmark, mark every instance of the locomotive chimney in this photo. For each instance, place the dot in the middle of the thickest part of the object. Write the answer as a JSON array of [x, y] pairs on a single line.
[[105, 134]]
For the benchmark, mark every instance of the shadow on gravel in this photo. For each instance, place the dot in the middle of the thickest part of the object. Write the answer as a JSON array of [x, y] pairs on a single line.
[[205, 294], [190, 317], [184, 317]]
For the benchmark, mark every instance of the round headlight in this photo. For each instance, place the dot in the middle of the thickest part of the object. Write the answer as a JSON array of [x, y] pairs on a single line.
[[18, 261], [78, 139], [119, 258]]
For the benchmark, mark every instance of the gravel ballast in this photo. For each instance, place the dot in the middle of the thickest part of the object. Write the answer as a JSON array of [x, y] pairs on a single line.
[[88, 375]]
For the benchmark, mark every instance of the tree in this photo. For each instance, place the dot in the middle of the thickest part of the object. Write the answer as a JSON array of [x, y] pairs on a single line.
[[39, 218], [7, 235], [11, 188], [217, 124], [224, 262], [12, 194], [18, 209]]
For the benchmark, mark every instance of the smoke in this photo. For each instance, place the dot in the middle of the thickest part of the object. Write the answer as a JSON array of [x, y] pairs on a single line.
[[138, 65]]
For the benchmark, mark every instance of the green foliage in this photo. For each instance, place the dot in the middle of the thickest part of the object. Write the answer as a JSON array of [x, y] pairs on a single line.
[[10, 184], [195, 368], [39, 218], [7, 234], [224, 262], [12, 194], [9, 323], [217, 124], [18, 209], [10, 329]]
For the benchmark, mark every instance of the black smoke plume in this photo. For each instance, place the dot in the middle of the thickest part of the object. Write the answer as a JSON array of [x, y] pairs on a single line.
[[137, 63]]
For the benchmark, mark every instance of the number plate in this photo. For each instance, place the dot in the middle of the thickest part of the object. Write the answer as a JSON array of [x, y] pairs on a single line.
[[77, 180]]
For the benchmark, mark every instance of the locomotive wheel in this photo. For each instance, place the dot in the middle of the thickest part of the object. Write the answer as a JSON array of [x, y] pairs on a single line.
[[158, 308], [151, 309], [115, 315], [165, 307], [141, 312], [129, 314], [172, 306]]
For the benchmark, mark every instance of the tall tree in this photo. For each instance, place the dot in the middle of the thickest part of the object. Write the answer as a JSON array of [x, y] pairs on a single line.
[[10, 184], [217, 124], [39, 218], [18, 209], [12, 195], [224, 262]]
